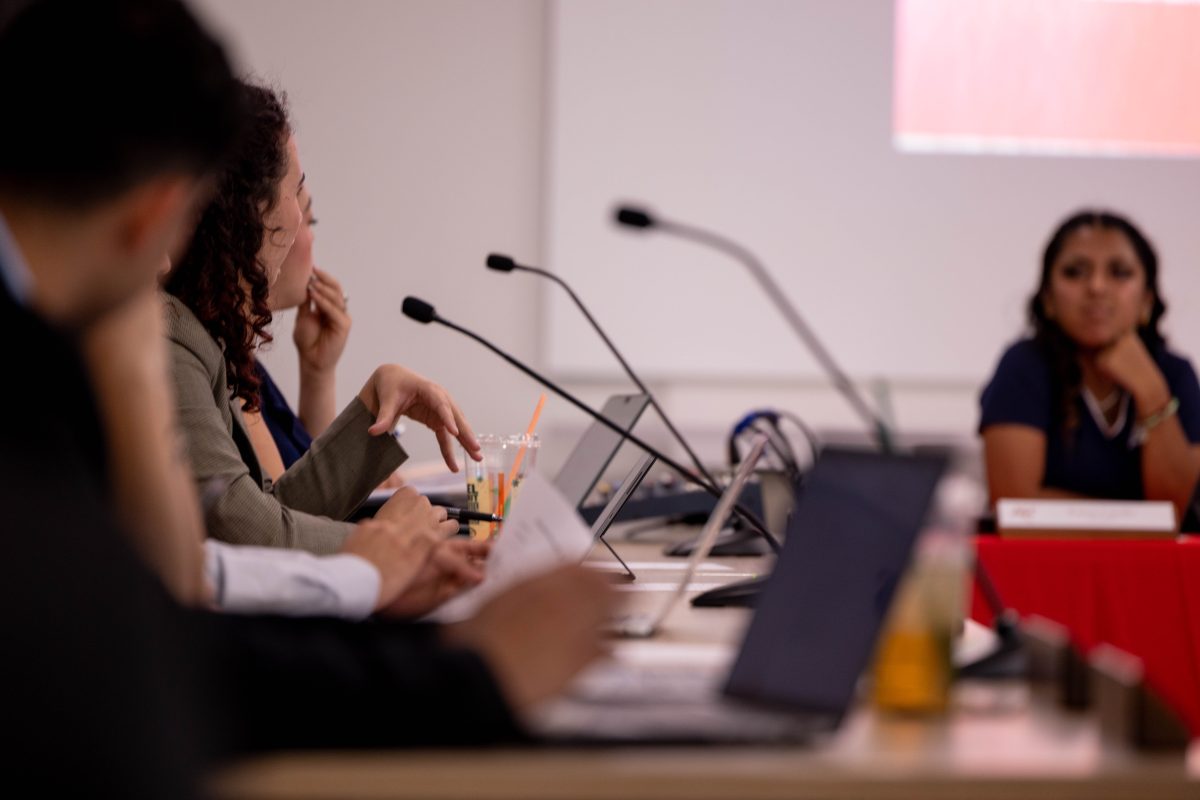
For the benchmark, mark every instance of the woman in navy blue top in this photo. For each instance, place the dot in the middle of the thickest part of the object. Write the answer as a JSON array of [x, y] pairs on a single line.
[[1094, 404], [322, 326]]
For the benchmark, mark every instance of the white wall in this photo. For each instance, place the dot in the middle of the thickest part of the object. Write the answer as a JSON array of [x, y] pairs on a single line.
[[771, 121], [425, 129]]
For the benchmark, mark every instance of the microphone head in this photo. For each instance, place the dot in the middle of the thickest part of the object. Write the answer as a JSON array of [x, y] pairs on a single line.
[[415, 308], [501, 262], [634, 217]]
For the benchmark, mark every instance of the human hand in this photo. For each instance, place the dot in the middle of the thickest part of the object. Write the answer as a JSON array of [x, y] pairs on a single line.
[[453, 566], [412, 512], [322, 324], [537, 635], [399, 555], [393, 391], [1129, 364]]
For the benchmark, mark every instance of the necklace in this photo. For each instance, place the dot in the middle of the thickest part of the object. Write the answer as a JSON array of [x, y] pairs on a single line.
[[1115, 404], [1109, 402]]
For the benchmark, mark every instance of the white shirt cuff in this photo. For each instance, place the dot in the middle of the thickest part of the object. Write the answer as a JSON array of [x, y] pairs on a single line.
[[267, 580]]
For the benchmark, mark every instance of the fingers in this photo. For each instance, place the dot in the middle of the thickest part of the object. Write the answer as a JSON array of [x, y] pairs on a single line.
[[325, 279], [333, 299], [448, 527], [399, 504], [429, 405], [307, 308], [441, 405], [474, 551], [330, 305], [455, 423], [478, 549], [389, 413], [428, 539], [455, 563], [466, 436], [446, 444]]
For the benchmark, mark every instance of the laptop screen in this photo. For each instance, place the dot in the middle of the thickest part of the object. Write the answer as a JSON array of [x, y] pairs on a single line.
[[597, 446], [848, 542]]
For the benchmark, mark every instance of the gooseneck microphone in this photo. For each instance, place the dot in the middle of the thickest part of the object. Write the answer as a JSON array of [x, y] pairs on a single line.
[[739, 541], [503, 263], [632, 217], [424, 313]]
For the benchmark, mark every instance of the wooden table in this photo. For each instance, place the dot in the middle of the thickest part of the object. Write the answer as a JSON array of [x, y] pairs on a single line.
[[995, 743]]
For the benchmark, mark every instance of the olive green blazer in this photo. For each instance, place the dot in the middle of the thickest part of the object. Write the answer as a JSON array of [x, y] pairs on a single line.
[[304, 509]]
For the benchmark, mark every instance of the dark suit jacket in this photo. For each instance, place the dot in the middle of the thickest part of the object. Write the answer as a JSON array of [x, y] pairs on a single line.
[[111, 689]]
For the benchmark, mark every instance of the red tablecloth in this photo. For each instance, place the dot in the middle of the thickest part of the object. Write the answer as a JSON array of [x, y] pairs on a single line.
[[1143, 597]]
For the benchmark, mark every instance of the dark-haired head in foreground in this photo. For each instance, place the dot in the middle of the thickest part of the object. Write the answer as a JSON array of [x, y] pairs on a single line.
[[126, 99]]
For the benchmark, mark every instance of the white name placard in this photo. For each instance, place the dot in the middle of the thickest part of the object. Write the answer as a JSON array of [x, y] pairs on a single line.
[[1086, 515]]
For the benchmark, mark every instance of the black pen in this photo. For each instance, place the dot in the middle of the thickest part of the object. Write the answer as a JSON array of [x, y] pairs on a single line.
[[462, 515]]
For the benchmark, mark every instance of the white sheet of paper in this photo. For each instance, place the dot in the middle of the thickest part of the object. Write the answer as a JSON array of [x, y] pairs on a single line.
[[541, 532]]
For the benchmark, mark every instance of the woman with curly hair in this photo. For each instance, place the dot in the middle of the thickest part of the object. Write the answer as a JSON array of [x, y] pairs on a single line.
[[319, 335], [1094, 404], [321, 329], [218, 313]]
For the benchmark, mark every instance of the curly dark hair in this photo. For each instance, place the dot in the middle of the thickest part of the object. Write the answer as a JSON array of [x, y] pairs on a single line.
[[220, 277], [1065, 374]]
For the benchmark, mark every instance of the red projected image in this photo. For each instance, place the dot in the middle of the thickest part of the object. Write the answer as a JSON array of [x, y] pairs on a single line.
[[1058, 77]]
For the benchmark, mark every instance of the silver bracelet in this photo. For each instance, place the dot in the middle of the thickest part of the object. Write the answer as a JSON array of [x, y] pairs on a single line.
[[1141, 431]]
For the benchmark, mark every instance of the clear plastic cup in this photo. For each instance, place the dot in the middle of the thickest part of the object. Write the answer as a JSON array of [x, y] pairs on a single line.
[[520, 459], [494, 484], [483, 481]]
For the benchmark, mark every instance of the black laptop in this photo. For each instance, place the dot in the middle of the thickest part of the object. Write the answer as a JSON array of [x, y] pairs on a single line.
[[811, 636]]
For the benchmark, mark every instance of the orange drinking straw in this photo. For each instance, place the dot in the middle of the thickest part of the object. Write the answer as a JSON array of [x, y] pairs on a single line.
[[512, 476], [499, 504]]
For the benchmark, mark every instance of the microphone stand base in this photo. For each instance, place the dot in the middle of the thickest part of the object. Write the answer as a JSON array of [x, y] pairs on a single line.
[[742, 594], [735, 541], [1009, 659]]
